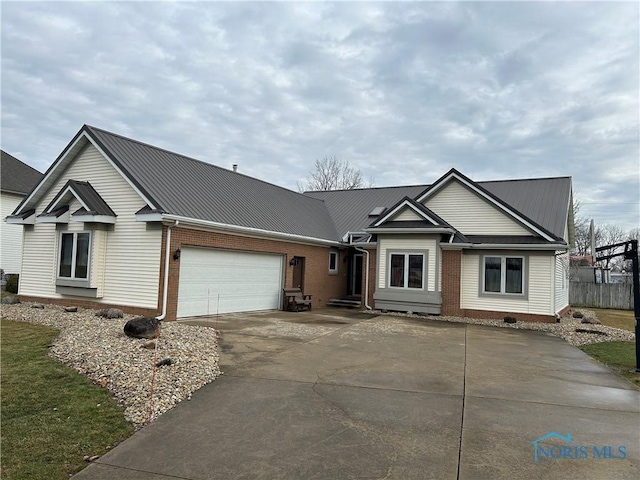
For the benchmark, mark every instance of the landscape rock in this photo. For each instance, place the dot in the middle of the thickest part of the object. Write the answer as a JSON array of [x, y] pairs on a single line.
[[164, 362], [510, 320], [10, 300], [577, 315], [150, 344], [591, 320], [110, 313], [70, 309], [142, 327], [37, 305]]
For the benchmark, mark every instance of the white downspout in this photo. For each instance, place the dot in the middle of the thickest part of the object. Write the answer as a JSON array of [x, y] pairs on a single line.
[[165, 290], [366, 279]]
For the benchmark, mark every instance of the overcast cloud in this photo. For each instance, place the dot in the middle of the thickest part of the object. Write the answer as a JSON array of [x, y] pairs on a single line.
[[403, 91]]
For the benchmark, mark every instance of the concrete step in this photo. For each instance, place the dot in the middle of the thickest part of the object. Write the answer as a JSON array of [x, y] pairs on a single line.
[[341, 302]]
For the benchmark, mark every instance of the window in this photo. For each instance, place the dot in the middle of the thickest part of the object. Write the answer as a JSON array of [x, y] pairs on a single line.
[[74, 255], [333, 262], [504, 275], [406, 270]]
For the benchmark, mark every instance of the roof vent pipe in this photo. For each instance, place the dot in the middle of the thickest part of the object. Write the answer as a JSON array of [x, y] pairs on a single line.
[[235, 167]]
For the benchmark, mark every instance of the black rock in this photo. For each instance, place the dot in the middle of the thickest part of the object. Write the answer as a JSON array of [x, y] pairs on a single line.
[[142, 327], [163, 362], [577, 315], [510, 320]]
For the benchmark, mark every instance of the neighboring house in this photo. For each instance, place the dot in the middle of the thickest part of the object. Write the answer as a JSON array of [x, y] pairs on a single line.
[[16, 180], [114, 218]]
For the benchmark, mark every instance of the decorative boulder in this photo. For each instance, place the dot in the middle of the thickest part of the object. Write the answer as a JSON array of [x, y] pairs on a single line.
[[10, 300], [590, 320], [142, 327], [110, 313], [577, 315], [71, 309], [510, 320], [37, 305]]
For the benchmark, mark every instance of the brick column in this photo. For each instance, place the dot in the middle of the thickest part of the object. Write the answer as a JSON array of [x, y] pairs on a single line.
[[451, 273]]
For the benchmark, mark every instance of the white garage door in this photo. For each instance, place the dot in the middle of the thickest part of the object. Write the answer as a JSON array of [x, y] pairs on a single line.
[[219, 281]]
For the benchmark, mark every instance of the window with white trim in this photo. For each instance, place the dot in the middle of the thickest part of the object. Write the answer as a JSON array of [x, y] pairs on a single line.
[[74, 255], [503, 275], [406, 270], [333, 262]]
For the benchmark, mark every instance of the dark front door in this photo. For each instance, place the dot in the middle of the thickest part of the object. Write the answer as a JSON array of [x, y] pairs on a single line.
[[356, 274], [298, 273]]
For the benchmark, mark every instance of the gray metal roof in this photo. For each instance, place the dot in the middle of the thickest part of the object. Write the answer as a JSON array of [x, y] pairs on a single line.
[[543, 200], [16, 176], [191, 188], [89, 197]]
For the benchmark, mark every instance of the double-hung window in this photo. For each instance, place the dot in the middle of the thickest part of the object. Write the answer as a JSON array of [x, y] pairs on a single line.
[[406, 270], [74, 255], [503, 275]]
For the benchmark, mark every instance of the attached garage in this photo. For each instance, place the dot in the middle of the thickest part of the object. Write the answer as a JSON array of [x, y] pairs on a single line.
[[223, 281]]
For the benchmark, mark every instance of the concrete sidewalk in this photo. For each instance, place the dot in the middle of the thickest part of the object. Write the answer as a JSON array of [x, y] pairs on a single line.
[[336, 394]]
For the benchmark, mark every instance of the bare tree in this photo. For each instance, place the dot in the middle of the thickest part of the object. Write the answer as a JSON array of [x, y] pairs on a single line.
[[610, 235], [332, 173]]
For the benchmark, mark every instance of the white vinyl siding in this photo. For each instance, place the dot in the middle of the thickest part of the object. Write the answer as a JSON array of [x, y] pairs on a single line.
[[561, 281], [10, 235], [398, 244], [539, 285], [407, 215], [131, 253], [471, 214]]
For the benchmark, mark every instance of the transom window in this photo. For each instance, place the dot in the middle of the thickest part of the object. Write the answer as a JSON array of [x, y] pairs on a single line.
[[74, 255], [504, 275], [406, 270]]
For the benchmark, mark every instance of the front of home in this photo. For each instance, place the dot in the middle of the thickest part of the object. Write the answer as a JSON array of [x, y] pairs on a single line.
[[118, 222]]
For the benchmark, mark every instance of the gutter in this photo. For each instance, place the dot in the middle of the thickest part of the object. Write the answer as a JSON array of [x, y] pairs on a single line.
[[253, 231], [165, 290], [366, 278]]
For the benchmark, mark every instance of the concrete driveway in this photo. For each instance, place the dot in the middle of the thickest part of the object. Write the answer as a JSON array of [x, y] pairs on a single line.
[[337, 394]]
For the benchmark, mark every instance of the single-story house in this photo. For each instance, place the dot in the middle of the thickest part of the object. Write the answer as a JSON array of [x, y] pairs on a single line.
[[118, 222], [16, 180]]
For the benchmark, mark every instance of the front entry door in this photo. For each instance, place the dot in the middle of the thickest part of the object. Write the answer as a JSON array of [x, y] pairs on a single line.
[[356, 274], [298, 273]]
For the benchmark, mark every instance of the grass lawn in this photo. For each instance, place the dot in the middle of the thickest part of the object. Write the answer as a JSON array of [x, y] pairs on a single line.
[[51, 415], [619, 356], [623, 319]]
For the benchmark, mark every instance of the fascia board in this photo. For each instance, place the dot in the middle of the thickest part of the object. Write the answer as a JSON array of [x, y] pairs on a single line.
[[250, 231], [94, 218]]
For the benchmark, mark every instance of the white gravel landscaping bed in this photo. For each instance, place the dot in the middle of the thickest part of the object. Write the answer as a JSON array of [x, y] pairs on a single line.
[[565, 329], [98, 348]]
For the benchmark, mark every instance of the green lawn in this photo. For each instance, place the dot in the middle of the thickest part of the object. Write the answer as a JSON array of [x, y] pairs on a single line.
[[51, 415], [619, 356]]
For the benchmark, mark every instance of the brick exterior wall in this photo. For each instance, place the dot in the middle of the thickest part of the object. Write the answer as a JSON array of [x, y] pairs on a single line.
[[451, 277], [317, 280], [76, 302]]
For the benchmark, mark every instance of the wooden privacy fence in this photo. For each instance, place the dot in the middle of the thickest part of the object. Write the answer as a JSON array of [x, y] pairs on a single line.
[[601, 295]]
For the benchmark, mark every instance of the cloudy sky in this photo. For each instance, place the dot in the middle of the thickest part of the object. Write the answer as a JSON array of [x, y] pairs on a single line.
[[403, 91]]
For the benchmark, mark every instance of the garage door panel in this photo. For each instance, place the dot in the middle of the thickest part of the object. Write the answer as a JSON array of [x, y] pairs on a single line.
[[219, 281]]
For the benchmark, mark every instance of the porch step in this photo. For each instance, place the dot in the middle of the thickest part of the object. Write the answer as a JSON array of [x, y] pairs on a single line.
[[342, 302]]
